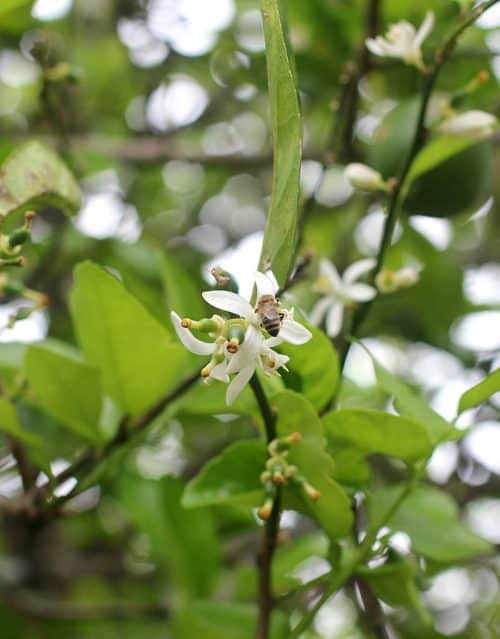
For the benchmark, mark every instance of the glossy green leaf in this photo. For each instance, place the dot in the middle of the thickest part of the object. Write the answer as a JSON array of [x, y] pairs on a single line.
[[281, 228], [33, 175], [233, 477], [350, 465], [436, 152], [377, 432], [480, 392], [139, 362], [65, 387], [332, 511], [313, 368], [224, 620], [183, 541], [432, 520], [10, 424]]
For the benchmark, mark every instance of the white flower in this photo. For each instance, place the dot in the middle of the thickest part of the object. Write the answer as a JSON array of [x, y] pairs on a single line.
[[388, 281], [403, 41], [474, 124], [251, 349], [364, 177], [340, 292]]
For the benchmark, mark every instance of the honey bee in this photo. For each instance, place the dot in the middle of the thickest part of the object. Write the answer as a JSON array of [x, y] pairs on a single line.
[[269, 314]]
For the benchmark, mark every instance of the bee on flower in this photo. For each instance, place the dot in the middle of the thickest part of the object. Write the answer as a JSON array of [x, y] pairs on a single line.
[[243, 343]]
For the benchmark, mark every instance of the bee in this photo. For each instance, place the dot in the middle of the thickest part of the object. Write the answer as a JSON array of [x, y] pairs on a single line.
[[269, 314]]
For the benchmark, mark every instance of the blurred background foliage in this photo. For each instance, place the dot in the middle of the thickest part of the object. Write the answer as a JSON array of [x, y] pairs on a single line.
[[160, 108]]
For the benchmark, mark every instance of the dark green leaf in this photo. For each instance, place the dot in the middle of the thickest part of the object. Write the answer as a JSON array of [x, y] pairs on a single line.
[[314, 368], [9, 423], [182, 541], [33, 175]]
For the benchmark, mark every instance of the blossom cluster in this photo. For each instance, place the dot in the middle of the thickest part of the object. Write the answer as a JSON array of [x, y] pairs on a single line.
[[240, 345]]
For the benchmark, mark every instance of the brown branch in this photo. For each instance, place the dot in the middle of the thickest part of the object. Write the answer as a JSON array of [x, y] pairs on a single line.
[[271, 529]]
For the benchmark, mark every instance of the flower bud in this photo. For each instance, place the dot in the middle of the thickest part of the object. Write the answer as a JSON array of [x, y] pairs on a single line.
[[388, 281], [473, 124], [365, 178]]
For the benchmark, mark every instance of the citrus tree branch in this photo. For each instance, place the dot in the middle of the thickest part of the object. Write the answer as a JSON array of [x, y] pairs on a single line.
[[429, 82]]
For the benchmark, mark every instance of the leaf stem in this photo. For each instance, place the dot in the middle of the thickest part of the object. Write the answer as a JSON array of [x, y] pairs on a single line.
[[271, 529]]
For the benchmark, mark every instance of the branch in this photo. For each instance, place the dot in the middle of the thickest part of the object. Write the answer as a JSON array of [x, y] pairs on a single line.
[[91, 457], [271, 530], [35, 606], [430, 79]]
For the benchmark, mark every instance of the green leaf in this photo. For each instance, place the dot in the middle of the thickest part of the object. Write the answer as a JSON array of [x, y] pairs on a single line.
[[224, 620], [313, 368], [412, 405], [65, 387], [377, 432], [33, 175], [183, 294], [233, 477], [281, 228], [9, 423], [332, 511], [184, 542], [11, 5], [480, 392], [350, 468], [138, 361], [431, 519], [436, 152]]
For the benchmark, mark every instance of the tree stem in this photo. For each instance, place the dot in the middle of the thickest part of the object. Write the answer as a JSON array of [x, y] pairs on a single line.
[[271, 529]]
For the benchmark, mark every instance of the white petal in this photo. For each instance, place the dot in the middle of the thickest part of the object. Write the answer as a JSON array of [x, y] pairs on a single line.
[[334, 319], [361, 292], [266, 283], [192, 343], [425, 28], [271, 342], [357, 269], [219, 372], [239, 383], [227, 301], [248, 351], [375, 45], [319, 310], [329, 272], [294, 333]]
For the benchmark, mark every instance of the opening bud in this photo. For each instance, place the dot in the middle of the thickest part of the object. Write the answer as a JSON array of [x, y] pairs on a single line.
[[265, 511]]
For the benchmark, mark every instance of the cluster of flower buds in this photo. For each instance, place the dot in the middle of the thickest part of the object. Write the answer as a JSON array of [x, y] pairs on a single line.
[[279, 472], [11, 244]]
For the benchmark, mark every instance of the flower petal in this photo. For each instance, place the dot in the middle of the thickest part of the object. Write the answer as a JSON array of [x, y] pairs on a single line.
[[248, 351], [271, 342], [425, 28], [334, 319], [219, 372], [319, 310], [227, 301], [239, 383], [357, 269], [361, 292], [294, 333], [328, 271], [266, 283], [192, 343]]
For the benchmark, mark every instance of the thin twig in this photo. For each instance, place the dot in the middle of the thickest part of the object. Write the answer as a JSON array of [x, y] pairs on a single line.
[[271, 529], [430, 79]]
